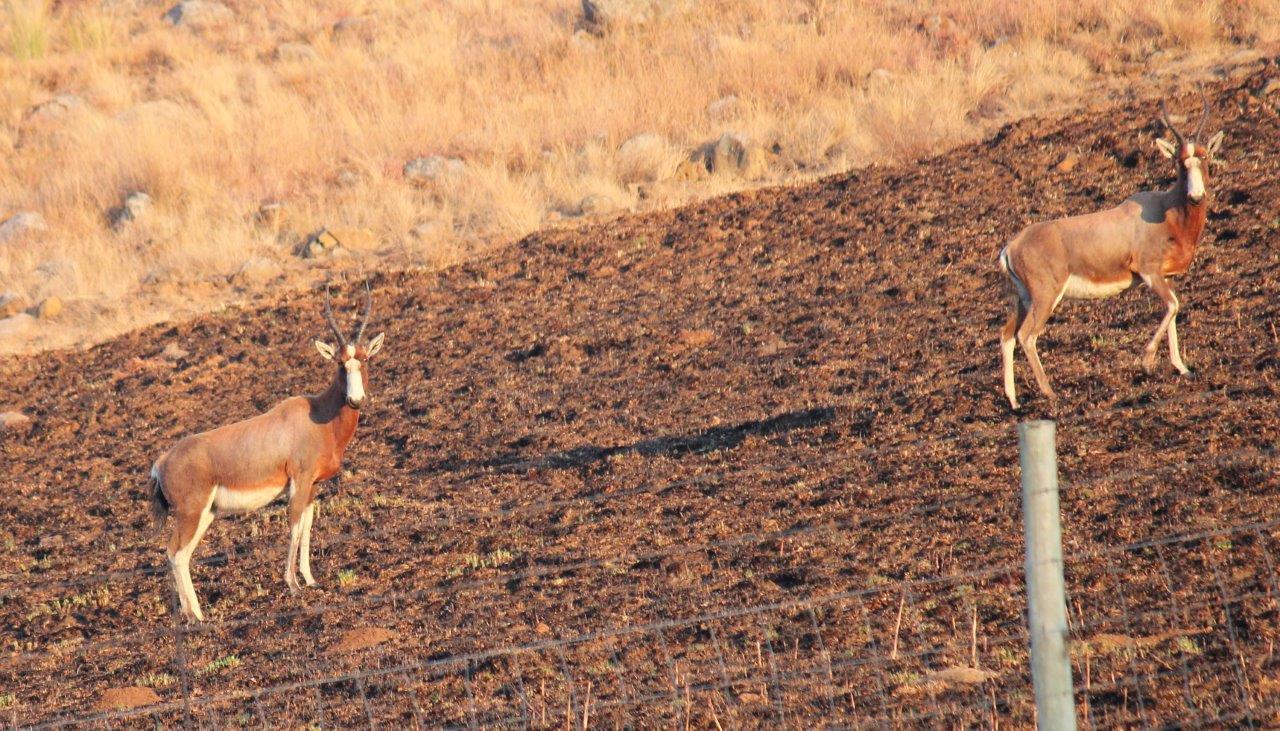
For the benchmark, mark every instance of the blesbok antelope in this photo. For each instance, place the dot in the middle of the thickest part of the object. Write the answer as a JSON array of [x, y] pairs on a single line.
[[1153, 234], [244, 466]]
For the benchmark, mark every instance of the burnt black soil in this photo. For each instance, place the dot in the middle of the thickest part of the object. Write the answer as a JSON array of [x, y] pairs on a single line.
[[745, 463]]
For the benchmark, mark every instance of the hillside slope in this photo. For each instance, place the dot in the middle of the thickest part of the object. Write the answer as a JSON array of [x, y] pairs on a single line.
[[746, 462]]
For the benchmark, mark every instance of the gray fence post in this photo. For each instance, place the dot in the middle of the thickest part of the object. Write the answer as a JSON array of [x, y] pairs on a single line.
[[1046, 589]]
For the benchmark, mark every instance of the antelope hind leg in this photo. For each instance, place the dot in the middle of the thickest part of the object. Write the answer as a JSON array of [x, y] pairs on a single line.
[[1008, 341], [1032, 325], [187, 532]]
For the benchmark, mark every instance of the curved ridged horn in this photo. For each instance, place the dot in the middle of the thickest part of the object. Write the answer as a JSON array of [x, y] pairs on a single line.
[[364, 318], [1204, 116], [328, 317], [1164, 117]]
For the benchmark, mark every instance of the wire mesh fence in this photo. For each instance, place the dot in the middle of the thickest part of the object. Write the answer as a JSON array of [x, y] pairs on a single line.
[[1166, 628]]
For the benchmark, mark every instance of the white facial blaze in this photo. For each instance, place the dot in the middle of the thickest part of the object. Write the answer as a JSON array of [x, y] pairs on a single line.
[[1195, 178], [355, 384]]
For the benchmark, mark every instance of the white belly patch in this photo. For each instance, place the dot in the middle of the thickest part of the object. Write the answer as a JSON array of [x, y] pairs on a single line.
[[1080, 288], [242, 501]]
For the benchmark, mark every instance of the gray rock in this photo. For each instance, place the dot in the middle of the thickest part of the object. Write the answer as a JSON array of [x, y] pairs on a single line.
[[11, 304], [198, 14], [433, 169], [55, 109], [734, 155], [21, 224], [135, 206]]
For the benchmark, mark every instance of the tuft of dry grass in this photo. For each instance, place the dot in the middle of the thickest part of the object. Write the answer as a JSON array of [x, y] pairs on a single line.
[[317, 106]]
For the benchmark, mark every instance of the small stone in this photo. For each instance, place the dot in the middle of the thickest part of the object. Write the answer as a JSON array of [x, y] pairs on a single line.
[[1067, 163], [50, 308], [734, 155], [198, 15], [11, 304], [347, 178], [135, 206], [1271, 87], [296, 52], [14, 421], [433, 169], [257, 271], [21, 224]]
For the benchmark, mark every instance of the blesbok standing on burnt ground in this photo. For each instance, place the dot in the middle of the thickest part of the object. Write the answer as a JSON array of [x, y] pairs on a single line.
[[1153, 234], [243, 466]]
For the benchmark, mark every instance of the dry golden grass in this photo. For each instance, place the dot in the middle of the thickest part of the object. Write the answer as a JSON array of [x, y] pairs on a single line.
[[318, 105]]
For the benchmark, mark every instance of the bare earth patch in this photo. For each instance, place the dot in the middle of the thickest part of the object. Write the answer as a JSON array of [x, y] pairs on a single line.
[[361, 638], [120, 699]]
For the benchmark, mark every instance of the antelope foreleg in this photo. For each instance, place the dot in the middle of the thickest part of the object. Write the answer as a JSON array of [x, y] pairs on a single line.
[[1166, 295], [299, 502], [304, 556]]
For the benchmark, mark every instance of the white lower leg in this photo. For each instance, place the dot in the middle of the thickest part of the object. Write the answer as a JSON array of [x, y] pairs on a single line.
[[1175, 353], [1150, 356], [1006, 354], [182, 568], [304, 556], [295, 537], [179, 585]]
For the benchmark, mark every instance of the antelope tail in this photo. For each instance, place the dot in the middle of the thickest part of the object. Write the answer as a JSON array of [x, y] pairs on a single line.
[[1019, 289], [159, 503]]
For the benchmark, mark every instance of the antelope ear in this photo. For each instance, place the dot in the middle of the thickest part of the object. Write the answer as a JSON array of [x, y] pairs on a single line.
[[1214, 141], [375, 345], [325, 349], [1167, 147]]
